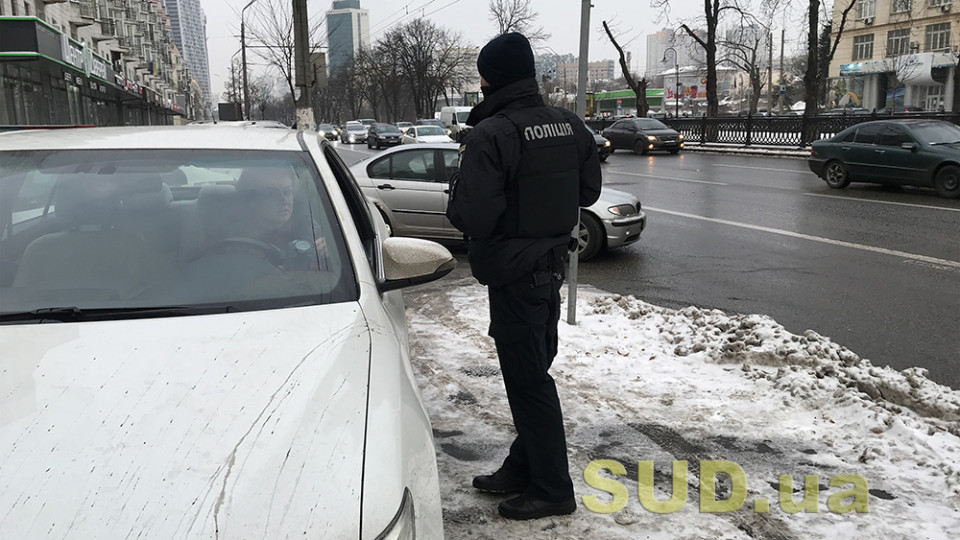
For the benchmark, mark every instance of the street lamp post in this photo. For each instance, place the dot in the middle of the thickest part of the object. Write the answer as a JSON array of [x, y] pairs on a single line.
[[676, 69], [243, 59]]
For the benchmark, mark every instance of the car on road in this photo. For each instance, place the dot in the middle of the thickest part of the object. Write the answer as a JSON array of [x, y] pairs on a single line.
[[604, 149], [402, 126], [409, 185], [923, 153], [425, 134], [328, 131], [381, 135], [367, 122], [224, 356], [434, 122], [353, 132], [643, 135]]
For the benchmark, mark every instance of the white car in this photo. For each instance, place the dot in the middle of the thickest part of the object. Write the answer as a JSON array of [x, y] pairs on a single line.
[[425, 134], [409, 185], [203, 337]]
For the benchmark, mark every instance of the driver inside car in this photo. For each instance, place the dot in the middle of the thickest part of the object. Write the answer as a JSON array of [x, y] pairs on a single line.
[[274, 215]]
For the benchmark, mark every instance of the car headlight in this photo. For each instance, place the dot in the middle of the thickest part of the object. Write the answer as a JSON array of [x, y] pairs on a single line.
[[449, 132], [404, 524], [622, 210], [606, 143], [322, 133], [651, 138], [680, 136]]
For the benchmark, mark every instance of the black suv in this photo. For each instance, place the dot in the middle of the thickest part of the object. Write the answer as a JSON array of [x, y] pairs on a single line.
[[383, 135]]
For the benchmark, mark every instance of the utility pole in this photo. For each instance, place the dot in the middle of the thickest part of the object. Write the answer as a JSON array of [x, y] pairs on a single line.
[[770, 73], [782, 36], [581, 112], [243, 58], [301, 55]]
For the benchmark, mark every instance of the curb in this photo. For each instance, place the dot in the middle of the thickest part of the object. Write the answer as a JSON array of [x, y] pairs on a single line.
[[748, 150]]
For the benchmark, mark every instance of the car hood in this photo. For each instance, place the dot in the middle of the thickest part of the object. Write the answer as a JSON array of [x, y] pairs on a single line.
[[613, 197], [434, 139], [235, 425]]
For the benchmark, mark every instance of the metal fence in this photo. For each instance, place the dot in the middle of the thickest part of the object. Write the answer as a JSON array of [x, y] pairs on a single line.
[[798, 131]]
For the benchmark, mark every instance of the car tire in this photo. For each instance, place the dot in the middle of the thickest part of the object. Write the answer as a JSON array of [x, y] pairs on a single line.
[[835, 174], [947, 182], [640, 147], [591, 237], [378, 144]]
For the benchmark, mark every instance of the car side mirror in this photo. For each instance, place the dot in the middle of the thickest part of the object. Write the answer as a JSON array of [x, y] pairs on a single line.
[[413, 261], [912, 146]]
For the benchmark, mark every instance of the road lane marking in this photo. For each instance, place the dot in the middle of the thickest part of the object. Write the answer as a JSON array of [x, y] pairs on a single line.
[[912, 256], [883, 202], [660, 177], [761, 168]]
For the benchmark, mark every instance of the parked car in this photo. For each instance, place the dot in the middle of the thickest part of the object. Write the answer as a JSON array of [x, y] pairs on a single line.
[[328, 131], [161, 356], [643, 135], [433, 122], [408, 185], [380, 135], [425, 134], [922, 153], [353, 132]]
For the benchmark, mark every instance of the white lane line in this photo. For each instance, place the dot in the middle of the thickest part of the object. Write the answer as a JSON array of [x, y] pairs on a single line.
[[661, 177], [761, 168], [884, 202], [912, 256]]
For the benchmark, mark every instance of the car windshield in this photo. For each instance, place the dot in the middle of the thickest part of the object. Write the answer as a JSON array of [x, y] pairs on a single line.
[[433, 122], [119, 232], [355, 127], [462, 116], [423, 131], [325, 127], [938, 133], [388, 129], [649, 123]]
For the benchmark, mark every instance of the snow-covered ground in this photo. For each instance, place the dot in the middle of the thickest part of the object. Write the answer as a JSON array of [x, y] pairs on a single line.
[[639, 382]]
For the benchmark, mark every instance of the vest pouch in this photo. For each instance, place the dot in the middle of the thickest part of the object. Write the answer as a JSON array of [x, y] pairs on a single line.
[[545, 204]]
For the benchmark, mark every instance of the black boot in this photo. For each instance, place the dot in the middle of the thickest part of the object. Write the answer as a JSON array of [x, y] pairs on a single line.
[[529, 507], [501, 482]]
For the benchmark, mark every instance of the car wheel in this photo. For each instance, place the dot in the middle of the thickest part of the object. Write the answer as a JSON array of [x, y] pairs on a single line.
[[640, 147], [591, 236], [947, 182], [835, 175], [378, 144], [612, 149]]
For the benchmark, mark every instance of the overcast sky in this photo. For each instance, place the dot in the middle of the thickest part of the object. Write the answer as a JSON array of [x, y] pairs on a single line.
[[634, 19]]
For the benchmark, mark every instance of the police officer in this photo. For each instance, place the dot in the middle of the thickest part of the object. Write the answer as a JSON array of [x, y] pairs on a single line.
[[525, 169]]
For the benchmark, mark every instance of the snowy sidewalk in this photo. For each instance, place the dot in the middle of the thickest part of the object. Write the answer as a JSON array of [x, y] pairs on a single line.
[[639, 382], [752, 150]]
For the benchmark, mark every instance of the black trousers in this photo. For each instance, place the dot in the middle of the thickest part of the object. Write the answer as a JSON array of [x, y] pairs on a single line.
[[523, 323]]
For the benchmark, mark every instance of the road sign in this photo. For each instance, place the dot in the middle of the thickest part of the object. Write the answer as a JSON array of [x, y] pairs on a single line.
[[783, 89]]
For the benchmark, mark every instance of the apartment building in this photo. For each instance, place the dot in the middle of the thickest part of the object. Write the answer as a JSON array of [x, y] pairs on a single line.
[[92, 62], [897, 53]]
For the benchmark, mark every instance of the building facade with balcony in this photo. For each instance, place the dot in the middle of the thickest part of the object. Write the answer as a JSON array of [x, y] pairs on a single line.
[[188, 28], [896, 54], [90, 62]]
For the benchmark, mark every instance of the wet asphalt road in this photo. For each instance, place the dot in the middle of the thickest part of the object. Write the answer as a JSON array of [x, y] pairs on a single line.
[[875, 269]]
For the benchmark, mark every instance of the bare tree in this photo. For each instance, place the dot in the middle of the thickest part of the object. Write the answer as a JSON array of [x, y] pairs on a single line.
[[744, 48], [270, 29], [261, 92], [639, 86], [713, 12], [517, 16], [432, 59], [820, 55]]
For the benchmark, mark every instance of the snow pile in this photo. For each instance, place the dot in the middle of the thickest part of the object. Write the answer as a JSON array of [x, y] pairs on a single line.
[[641, 382]]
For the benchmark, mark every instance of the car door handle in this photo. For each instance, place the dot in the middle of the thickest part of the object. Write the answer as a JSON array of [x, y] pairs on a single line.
[[386, 187], [880, 151], [844, 147]]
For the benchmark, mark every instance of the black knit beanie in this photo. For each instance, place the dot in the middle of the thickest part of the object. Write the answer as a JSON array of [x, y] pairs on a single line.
[[507, 58]]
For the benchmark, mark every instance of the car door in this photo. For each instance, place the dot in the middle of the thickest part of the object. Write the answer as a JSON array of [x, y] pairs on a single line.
[[408, 183], [618, 135], [865, 154], [897, 164], [450, 158]]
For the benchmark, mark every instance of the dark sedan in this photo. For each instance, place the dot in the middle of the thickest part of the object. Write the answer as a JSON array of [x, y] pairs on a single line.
[[643, 135], [381, 135], [923, 153], [328, 131]]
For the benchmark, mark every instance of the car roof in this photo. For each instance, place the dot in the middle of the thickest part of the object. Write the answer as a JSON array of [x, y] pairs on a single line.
[[199, 136]]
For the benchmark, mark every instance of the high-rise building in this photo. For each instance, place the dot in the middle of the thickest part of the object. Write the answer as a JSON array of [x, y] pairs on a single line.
[[348, 28], [659, 59], [188, 28]]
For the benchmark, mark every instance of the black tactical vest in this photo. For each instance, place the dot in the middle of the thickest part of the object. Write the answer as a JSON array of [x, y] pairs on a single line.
[[544, 198]]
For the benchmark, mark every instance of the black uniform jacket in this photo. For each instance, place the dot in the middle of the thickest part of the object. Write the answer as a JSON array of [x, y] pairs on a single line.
[[489, 156]]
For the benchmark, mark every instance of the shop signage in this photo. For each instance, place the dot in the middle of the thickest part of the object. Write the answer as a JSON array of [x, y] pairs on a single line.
[[67, 77], [72, 54], [98, 67]]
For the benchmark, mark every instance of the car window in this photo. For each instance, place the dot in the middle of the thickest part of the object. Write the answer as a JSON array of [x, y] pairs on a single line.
[[379, 168], [387, 129], [263, 235], [648, 123], [868, 134], [413, 165], [451, 163], [938, 132], [849, 136], [891, 135]]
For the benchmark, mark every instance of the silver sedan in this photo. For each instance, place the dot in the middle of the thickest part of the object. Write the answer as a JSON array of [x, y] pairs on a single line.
[[408, 184]]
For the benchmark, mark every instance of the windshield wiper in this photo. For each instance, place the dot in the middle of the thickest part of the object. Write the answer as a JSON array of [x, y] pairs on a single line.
[[75, 314]]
